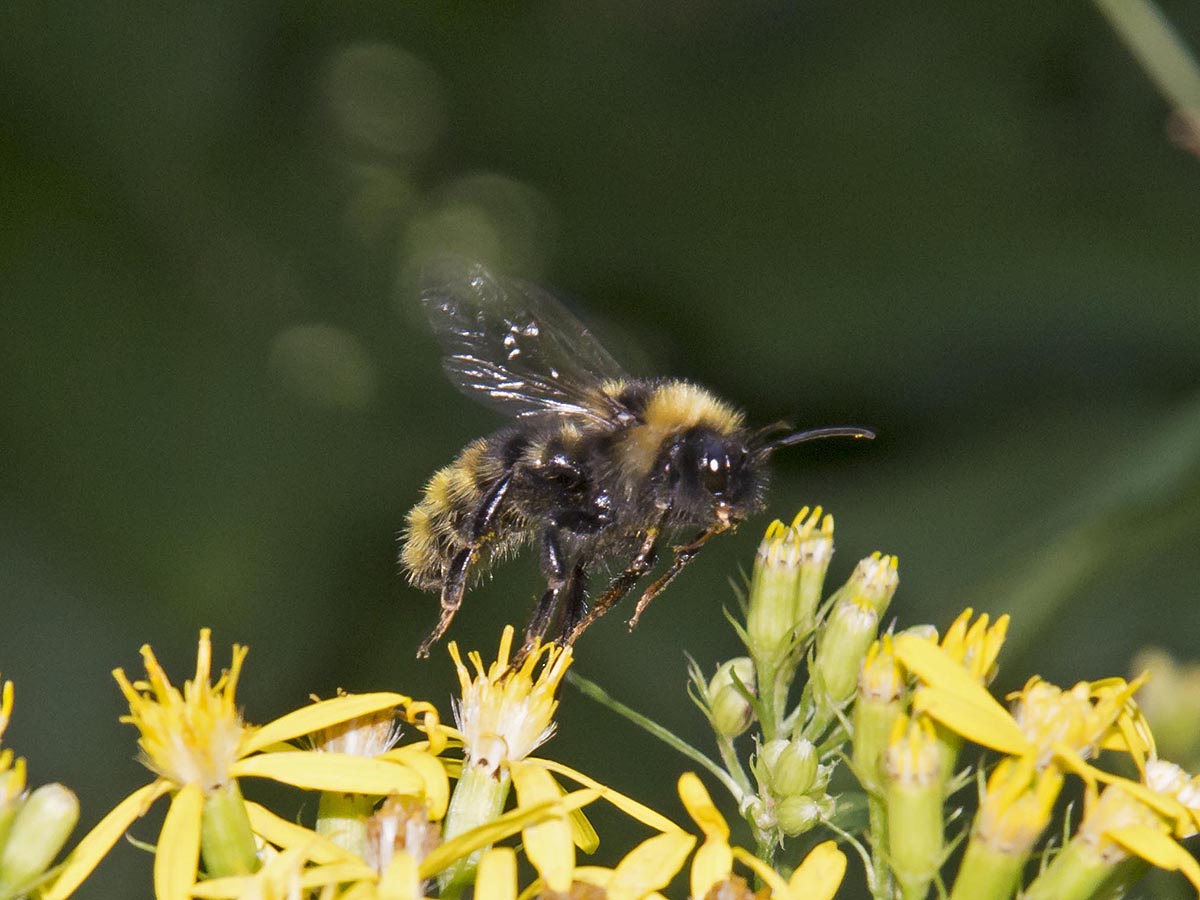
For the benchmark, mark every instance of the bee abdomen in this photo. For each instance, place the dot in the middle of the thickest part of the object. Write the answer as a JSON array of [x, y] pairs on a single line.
[[441, 524]]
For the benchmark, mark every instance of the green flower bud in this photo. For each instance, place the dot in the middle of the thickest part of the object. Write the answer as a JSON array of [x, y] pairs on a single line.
[[797, 814], [814, 534], [881, 688], [38, 832], [873, 582], [729, 711], [841, 645], [765, 760], [771, 614], [794, 770], [913, 776]]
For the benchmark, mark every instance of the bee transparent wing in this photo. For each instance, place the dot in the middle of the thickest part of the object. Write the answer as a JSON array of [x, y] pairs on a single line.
[[514, 347]]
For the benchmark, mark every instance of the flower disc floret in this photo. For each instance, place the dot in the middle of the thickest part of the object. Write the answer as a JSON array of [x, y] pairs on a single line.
[[191, 736], [505, 713]]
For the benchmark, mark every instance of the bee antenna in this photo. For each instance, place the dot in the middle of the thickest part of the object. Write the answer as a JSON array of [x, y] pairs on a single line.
[[816, 434]]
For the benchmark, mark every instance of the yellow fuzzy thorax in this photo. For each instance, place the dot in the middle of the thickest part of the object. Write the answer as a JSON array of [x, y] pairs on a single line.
[[676, 406]]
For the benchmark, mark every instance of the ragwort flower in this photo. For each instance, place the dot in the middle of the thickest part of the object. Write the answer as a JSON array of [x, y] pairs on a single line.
[[198, 746]]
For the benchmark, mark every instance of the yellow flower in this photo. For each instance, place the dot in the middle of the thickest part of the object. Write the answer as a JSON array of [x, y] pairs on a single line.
[[818, 877], [1080, 719], [1048, 724], [1013, 812], [197, 744], [1127, 819], [976, 646], [505, 714], [1016, 806]]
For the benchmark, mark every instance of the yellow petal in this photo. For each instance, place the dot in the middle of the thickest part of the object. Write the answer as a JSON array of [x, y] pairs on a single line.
[[504, 826], [986, 723], [177, 855], [282, 833], [432, 773], [238, 886], [713, 863], [321, 715], [223, 888], [582, 833], [700, 807], [88, 853], [779, 888], [548, 844], [338, 772], [821, 873], [627, 805], [496, 878], [336, 873], [650, 865], [937, 668], [1157, 849], [399, 880]]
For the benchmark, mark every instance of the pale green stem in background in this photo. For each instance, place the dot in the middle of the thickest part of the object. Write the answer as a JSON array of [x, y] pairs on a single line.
[[1159, 50], [739, 788]]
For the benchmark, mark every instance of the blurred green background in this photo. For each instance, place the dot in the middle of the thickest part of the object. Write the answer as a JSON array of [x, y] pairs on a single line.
[[963, 224]]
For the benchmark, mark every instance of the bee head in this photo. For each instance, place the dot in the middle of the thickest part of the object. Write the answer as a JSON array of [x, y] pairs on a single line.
[[710, 477]]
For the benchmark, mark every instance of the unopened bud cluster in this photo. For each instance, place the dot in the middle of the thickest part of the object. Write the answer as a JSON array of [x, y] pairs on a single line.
[[793, 783], [790, 620]]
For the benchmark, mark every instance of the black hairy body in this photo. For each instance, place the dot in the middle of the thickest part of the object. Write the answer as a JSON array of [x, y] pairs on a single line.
[[598, 466]]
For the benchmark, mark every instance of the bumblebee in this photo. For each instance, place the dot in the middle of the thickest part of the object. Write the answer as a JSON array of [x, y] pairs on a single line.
[[597, 466]]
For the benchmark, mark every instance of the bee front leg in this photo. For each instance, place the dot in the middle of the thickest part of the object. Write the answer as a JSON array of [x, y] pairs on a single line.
[[683, 556]]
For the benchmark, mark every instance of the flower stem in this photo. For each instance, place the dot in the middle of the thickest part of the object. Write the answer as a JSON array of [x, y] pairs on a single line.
[[226, 838], [597, 693]]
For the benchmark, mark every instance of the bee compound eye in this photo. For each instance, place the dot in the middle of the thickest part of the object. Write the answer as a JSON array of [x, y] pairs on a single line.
[[714, 473]]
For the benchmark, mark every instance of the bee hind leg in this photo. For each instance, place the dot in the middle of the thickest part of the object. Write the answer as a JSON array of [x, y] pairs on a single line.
[[452, 593], [454, 584]]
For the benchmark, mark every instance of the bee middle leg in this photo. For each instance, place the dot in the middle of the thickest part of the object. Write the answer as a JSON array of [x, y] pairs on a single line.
[[642, 562], [554, 566]]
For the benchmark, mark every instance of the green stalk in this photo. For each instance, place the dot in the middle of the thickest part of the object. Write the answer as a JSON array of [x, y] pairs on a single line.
[[226, 839]]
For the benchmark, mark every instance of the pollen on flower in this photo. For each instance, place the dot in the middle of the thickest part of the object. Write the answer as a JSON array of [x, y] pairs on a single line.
[[191, 736], [505, 713], [1079, 718]]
